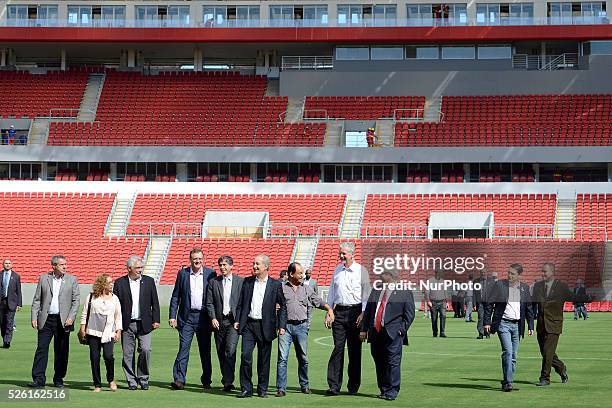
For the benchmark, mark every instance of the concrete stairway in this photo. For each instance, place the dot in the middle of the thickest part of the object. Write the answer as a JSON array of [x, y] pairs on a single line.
[[334, 133], [39, 132], [433, 107], [156, 255], [273, 87], [385, 131], [295, 110], [565, 218], [305, 250], [119, 216], [352, 217], [91, 98]]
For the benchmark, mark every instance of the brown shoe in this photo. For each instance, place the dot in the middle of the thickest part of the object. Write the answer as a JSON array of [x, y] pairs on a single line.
[[306, 391], [177, 385], [280, 393]]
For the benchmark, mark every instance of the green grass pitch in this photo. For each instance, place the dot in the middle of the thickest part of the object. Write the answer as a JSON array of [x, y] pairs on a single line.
[[458, 371]]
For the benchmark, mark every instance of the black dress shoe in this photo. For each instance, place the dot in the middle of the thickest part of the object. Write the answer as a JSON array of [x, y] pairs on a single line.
[[35, 385], [306, 391], [280, 393], [332, 393], [58, 384], [133, 387], [389, 398], [564, 377], [144, 387], [177, 385], [6, 345], [353, 392], [543, 383], [443, 335], [206, 386], [245, 394], [480, 337], [228, 388], [262, 394]]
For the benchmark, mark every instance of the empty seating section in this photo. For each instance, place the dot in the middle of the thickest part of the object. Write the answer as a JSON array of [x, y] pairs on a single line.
[[42, 225], [515, 120], [31, 95], [414, 209], [503, 134], [572, 259], [364, 107], [289, 214], [242, 251], [593, 216], [186, 109]]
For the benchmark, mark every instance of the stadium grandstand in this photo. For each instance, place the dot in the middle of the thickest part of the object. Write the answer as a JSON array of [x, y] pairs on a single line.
[[286, 127]]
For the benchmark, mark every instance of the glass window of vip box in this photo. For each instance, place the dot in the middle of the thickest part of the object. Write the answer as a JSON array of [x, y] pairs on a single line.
[[577, 13], [352, 53], [162, 16], [459, 52], [426, 15], [367, 14], [96, 16], [494, 52], [302, 15], [504, 13], [231, 16], [423, 52], [31, 15], [387, 53]]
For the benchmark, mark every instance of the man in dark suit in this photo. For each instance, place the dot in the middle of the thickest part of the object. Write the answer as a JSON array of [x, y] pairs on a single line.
[[257, 321], [221, 304], [508, 306], [54, 308], [188, 315], [386, 320], [140, 313], [580, 307], [550, 296], [10, 301]]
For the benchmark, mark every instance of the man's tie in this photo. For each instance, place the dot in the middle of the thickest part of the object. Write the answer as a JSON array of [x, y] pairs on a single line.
[[381, 311], [4, 284]]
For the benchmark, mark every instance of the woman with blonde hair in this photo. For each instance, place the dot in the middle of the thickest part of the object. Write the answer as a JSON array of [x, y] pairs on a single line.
[[101, 325]]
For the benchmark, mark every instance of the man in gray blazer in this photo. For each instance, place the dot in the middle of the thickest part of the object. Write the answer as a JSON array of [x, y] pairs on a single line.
[[54, 309], [221, 302], [10, 301]]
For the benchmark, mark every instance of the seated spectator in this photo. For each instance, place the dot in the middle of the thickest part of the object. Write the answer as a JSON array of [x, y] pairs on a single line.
[[12, 133]]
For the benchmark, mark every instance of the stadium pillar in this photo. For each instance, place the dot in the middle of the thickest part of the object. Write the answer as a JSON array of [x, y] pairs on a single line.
[[543, 52], [536, 172], [63, 59], [254, 172], [131, 58], [609, 172], [3, 53], [181, 172], [113, 172], [198, 59]]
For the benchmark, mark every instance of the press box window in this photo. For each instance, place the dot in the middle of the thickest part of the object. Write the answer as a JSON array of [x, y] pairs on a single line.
[[387, 53], [415, 52], [494, 52], [459, 53], [352, 53]]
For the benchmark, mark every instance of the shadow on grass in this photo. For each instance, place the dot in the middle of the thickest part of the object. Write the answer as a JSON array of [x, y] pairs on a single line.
[[468, 386], [497, 380]]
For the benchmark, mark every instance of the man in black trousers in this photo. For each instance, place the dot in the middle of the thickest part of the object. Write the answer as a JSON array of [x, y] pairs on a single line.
[[348, 296], [257, 321], [10, 301], [221, 305], [386, 320], [140, 313], [188, 315]]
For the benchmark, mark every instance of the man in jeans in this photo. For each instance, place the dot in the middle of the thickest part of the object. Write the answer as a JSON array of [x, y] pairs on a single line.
[[299, 298], [436, 297], [508, 307]]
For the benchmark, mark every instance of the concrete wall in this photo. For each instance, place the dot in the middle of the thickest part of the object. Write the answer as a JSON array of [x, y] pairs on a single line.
[[443, 78]]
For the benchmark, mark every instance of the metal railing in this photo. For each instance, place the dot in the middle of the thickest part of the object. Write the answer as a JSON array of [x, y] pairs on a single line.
[[409, 115], [307, 62], [563, 61], [297, 23], [316, 115], [548, 62]]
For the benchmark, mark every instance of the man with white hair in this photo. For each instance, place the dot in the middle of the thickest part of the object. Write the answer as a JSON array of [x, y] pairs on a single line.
[[348, 295], [140, 311]]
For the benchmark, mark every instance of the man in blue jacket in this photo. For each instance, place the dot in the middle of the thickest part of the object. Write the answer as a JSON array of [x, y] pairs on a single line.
[[508, 306], [188, 315]]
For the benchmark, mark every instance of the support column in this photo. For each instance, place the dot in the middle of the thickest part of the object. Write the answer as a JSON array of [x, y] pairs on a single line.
[[466, 172], [609, 172], [3, 59], [131, 58], [198, 59], [63, 59], [113, 172], [254, 172], [181, 172], [536, 172]]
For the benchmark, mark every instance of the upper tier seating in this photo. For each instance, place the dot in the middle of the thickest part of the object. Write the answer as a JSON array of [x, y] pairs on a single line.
[[186, 109], [297, 213], [363, 107], [41, 225], [242, 251], [31, 95], [414, 209]]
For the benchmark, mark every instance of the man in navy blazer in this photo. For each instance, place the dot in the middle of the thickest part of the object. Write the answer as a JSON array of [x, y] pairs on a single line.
[[508, 307], [257, 321], [10, 301], [188, 315], [386, 320]]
